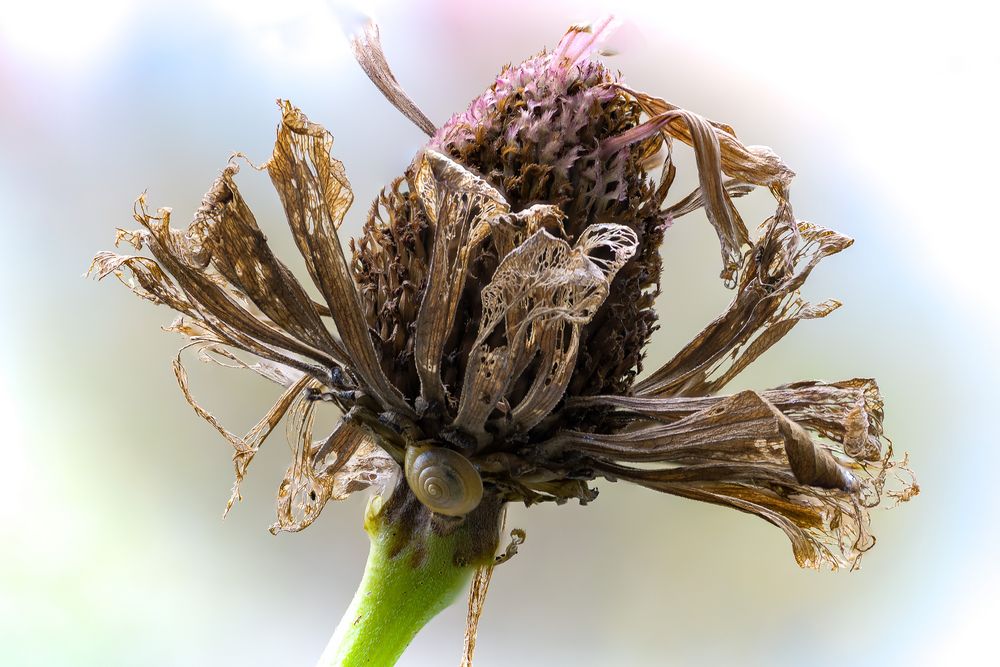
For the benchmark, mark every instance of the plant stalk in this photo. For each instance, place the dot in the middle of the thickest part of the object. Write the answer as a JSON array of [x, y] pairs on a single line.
[[401, 590]]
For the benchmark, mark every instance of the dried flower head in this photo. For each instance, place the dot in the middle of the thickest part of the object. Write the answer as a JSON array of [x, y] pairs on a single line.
[[490, 325]]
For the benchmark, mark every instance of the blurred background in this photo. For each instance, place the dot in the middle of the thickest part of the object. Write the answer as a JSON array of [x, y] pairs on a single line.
[[113, 550]]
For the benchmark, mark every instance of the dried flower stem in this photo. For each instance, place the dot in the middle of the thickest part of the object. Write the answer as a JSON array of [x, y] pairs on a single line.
[[398, 595]]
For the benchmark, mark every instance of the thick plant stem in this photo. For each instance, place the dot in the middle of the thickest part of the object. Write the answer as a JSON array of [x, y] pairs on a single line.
[[402, 589]]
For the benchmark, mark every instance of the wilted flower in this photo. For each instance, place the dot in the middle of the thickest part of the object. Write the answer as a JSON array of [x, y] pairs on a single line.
[[491, 323]]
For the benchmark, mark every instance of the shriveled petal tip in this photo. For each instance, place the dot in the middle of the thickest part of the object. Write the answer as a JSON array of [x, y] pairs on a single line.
[[238, 249], [345, 462], [367, 48], [717, 152], [766, 306], [478, 590], [184, 275]]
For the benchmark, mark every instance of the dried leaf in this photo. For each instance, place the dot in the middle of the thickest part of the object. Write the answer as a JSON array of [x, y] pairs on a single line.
[[758, 165]]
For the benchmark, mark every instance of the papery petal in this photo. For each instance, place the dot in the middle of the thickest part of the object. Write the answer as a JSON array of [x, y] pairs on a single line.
[[460, 207], [315, 193], [239, 250], [542, 290], [367, 49], [765, 308], [208, 297], [722, 214], [347, 461]]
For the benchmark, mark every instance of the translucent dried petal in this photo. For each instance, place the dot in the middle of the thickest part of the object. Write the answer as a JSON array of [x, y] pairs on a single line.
[[347, 461], [247, 446], [765, 308], [316, 195], [460, 207], [541, 290], [207, 296], [238, 249]]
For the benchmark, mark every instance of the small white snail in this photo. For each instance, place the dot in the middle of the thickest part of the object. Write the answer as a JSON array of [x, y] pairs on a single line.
[[443, 480]]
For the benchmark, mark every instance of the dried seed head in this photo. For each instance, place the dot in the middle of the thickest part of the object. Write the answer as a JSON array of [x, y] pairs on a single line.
[[496, 308], [537, 136]]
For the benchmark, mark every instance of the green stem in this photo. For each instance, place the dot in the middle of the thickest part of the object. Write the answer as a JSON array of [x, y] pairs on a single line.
[[402, 589]]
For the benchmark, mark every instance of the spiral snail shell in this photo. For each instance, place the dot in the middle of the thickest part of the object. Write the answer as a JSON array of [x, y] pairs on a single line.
[[443, 480]]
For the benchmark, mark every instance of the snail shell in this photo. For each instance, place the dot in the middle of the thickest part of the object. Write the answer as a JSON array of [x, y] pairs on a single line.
[[443, 480]]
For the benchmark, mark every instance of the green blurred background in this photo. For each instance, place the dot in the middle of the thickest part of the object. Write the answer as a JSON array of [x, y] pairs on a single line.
[[113, 551]]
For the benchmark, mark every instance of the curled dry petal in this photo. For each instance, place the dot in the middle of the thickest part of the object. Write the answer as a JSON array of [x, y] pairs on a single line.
[[345, 462], [848, 413], [765, 308], [246, 447], [477, 594], [229, 235], [733, 234], [718, 152], [745, 452], [696, 199]]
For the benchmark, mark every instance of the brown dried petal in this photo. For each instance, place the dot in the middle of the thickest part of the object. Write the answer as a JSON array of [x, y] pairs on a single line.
[[315, 193], [477, 599], [741, 451], [347, 461], [148, 281], [696, 199], [848, 413], [247, 446], [367, 49], [753, 164], [460, 206], [209, 298], [764, 309], [702, 136], [742, 427], [824, 530], [542, 283], [239, 250], [511, 230]]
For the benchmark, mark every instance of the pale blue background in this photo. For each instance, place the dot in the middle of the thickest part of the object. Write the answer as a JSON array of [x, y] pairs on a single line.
[[113, 552]]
